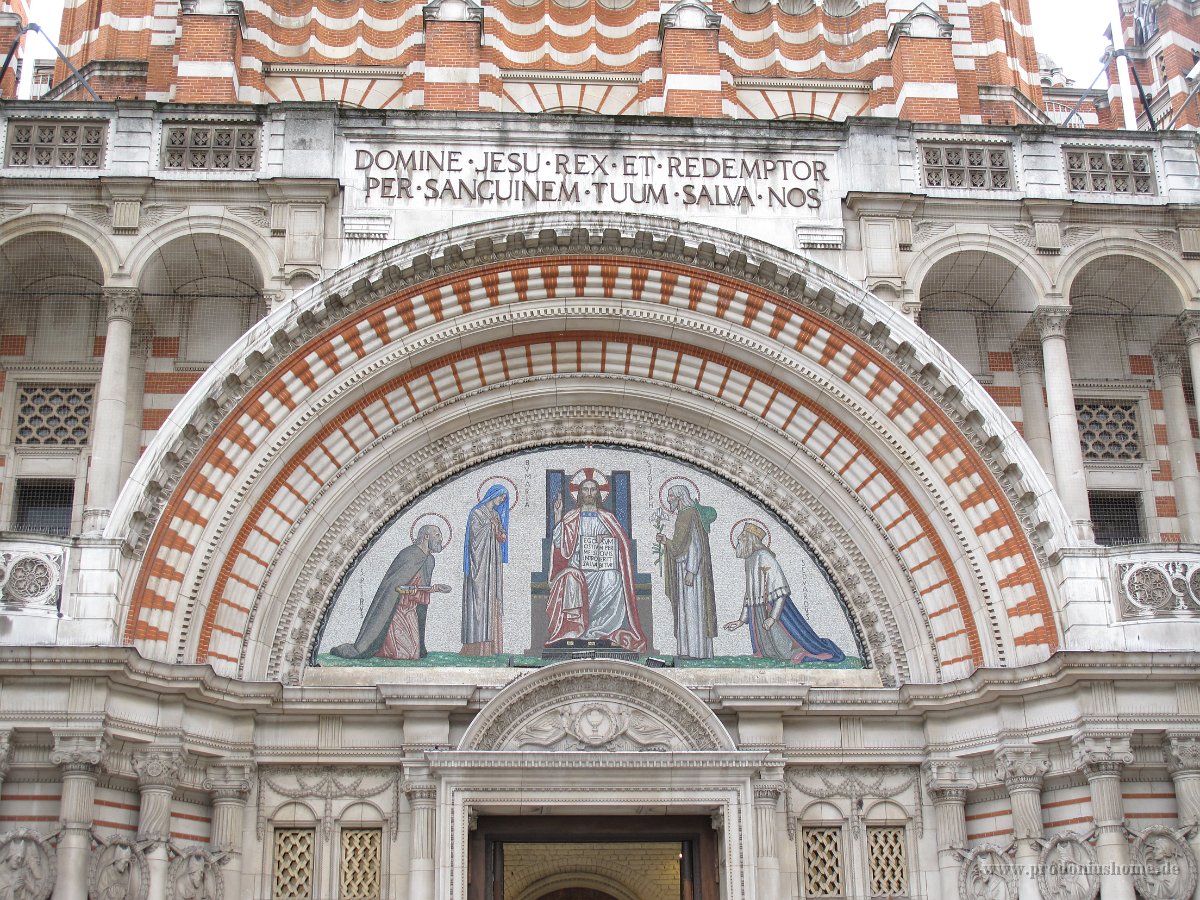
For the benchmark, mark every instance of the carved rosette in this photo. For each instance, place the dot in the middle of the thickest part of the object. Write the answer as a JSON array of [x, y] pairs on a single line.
[[1163, 864], [1068, 869], [195, 874], [78, 753], [118, 870], [1021, 768], [27, 865], [1051, 321], [121, 303], [1099, 756], [987, 874]]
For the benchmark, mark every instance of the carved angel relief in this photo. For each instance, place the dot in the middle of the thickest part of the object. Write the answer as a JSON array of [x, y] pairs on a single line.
[[1068, 870], [1164, 865], [118, 872], [610, 726], [987, 874], [27, 865]]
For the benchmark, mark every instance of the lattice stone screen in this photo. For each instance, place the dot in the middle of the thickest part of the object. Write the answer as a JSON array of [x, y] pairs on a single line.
[[956, 166], [54, 415], [293, 864], [1108, 430], [360, 863], [1101, 171], [46, 144], [886, 859], [822, 849], [210, 147]]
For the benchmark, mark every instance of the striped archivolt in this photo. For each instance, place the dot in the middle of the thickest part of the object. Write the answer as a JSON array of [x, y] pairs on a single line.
[[932, 541]]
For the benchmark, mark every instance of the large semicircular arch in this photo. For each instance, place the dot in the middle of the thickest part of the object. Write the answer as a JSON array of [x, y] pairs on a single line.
[[220, 444]]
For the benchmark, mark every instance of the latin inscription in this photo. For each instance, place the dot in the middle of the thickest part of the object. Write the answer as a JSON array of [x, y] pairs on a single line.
[[403, 176]]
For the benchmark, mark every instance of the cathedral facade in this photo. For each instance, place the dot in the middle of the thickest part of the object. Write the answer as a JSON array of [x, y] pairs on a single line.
[[598, 451]]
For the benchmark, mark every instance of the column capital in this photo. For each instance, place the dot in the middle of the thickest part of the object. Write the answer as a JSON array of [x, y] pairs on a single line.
[[1168, 362], [1183, 754], [1188, 324], [767, 793], [1051, 321], [1101, 754], [1022, 767], [229, 780], [76, 751], [1027, 357], [420, 793], [948, 780], [121, 303], [158, 767]]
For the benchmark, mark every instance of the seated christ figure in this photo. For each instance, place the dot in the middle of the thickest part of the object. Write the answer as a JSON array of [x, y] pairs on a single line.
[[591, 576]]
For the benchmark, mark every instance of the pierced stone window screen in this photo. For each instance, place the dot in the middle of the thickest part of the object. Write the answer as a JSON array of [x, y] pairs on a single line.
[[1108, 430], [293, 864], [53, 415], [822, 850], [78, 145], [210, 147], [360, 878], [963, 166], [887, 861], [1107, 171]]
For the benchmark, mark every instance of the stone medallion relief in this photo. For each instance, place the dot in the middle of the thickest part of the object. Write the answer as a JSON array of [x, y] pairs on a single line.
[[551, 553]]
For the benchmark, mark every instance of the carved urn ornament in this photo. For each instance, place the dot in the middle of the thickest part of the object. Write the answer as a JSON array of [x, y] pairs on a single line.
[[27, 866]]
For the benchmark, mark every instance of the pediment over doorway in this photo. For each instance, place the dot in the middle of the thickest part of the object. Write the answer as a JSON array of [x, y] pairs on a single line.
[[596, 705]]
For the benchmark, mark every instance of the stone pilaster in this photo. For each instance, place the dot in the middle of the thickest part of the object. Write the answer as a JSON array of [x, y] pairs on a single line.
[[1183, 762], [1022, 768], [1027, 359], [1051, 325], [6, 752], [422, 802], [108, 423], [1101, 759], [158, 774], [229, 783], [78, 756], [766, 802], [948, 782], [1184, 474]]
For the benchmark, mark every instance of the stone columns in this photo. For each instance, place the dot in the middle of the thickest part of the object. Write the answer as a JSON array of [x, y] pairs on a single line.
[[157, 773], [1183, 761], [1182, 448], [1189, 325], [1051, 324], [1022, 768], [78, 755], [948, 782], [1034, 424], [766, 800], [230, 786], [108, 422], [422, 800], [1101, 758]]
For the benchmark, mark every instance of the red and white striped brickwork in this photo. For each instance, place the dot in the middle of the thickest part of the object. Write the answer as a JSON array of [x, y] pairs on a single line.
[[802, 59]]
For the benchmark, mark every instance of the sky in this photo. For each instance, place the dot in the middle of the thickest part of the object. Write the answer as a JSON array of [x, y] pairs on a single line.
[[1071, 31]]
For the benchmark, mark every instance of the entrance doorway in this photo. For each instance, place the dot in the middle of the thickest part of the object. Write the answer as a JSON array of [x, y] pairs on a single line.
[[593, 858]]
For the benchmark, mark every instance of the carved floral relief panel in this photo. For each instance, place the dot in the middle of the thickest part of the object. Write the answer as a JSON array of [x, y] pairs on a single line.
[[560, 552]]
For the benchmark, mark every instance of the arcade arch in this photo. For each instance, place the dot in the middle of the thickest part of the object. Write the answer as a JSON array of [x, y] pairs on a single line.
[[404, 369]]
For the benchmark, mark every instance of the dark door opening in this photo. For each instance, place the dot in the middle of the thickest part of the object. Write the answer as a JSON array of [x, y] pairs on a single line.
[[592, 857]]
